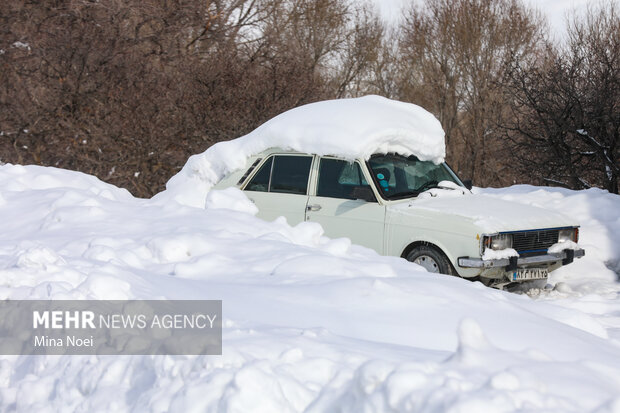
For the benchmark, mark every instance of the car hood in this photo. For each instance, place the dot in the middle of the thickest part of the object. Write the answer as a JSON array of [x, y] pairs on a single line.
[[485, 212]]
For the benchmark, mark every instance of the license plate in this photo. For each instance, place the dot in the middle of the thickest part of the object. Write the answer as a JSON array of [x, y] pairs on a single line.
[[530, 274]]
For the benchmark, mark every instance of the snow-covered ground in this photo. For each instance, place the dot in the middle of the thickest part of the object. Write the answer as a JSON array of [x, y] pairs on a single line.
[[310, 324]]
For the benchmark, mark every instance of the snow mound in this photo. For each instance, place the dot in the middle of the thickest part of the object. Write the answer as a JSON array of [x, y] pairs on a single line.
[[348, 128], [310, 324], [232, 199], [18, 178]]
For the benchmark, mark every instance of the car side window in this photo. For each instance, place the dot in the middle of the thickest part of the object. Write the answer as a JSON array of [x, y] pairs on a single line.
[[283, 174], [248, 172], [384, 174], [290, 174], [340, 179], [260, 181]]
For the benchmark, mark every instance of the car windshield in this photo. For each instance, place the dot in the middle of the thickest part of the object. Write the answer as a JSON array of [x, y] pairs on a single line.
[[398, 176]]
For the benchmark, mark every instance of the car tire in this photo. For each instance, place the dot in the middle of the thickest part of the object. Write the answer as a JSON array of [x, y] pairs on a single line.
[[431, 259]]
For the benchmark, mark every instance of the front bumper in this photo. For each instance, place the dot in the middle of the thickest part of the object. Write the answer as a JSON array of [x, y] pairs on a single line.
[[565, 256]]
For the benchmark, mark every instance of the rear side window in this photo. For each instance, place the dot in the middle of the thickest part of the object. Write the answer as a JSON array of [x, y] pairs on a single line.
[[260, 182], [249, 171], [290, 174], [283, 174]]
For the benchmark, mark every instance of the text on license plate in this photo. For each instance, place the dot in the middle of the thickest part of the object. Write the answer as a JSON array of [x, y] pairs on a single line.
[[530, 274]]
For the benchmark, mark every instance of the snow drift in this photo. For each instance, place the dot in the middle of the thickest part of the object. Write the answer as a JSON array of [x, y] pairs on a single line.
[[310, 324]]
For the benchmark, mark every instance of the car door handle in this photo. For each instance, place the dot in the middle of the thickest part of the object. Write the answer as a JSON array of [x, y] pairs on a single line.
[[314, 207]]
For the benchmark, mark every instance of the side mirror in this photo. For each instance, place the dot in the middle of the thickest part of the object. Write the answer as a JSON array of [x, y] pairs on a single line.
[[468, 184], [364, 193]]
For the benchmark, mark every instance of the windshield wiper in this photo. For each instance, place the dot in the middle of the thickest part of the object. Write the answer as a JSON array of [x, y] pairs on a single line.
[[427, 186]]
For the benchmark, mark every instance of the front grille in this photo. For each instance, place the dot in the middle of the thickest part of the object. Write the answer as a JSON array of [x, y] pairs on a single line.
[[534, 241]]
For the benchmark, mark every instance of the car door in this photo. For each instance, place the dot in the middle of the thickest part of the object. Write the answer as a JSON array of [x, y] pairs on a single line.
[[280, 187], [345, 205]]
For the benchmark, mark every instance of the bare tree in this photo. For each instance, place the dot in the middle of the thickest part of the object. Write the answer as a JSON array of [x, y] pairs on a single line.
[[452, 59], [127, 90], [565, 121]]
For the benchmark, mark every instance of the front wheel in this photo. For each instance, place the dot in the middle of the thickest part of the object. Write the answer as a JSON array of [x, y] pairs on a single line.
[[431, 259]]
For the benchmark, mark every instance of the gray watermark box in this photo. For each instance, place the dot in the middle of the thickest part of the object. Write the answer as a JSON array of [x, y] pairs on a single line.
[[116, 327]]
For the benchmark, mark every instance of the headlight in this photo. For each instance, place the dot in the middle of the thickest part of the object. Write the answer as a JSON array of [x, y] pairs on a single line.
[[498, 242], [569, 234]]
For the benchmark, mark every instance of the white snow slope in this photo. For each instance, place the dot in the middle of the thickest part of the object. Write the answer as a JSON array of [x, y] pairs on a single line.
[[310, 324]]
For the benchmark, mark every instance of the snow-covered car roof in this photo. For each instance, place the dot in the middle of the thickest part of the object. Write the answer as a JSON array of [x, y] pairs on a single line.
[[347, 128]]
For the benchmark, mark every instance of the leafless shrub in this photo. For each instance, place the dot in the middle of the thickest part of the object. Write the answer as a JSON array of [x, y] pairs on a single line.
[[127, 90], [565, 120], [452, 58]]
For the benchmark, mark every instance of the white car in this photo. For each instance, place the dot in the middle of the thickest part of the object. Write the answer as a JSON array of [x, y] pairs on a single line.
[[372, 170], [417, 210]]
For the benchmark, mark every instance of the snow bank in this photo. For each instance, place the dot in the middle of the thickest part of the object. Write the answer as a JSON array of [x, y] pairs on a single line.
[[310, 324], [232, 199], [18, 178], [349, 128]]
